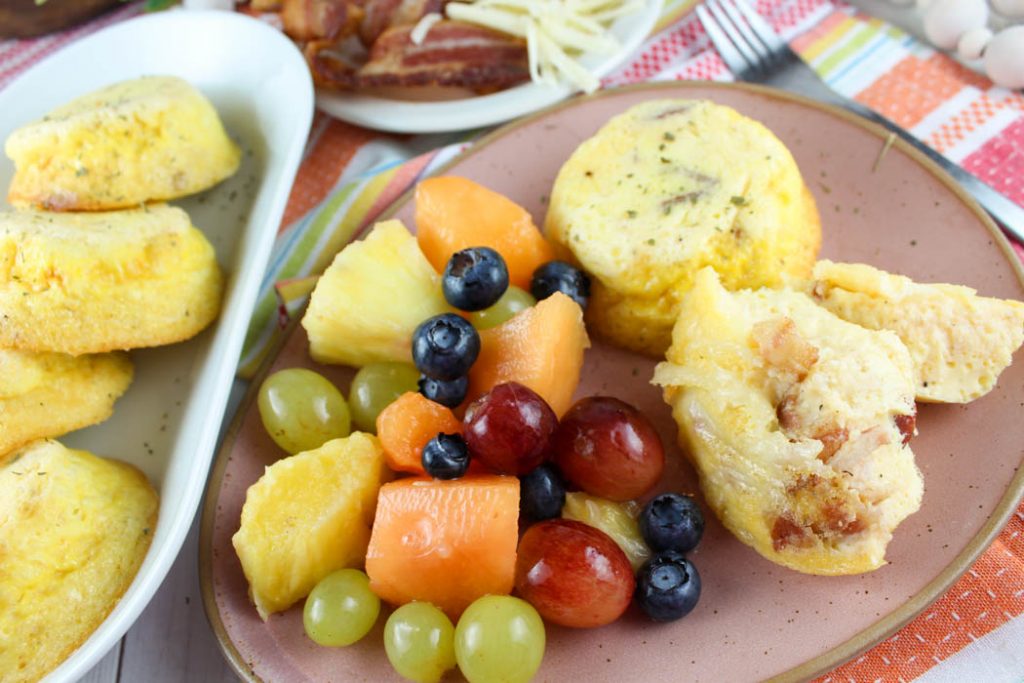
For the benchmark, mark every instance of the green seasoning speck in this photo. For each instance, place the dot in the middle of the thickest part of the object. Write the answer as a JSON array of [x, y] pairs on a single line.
[[665, 161], [668, 136], [651, 241], [738, 200], [631, 213]]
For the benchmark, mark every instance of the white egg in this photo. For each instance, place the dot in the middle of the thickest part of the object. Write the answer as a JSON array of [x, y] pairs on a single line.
[[1011, 9], [1004, 58], [973, 42], [946, 20]]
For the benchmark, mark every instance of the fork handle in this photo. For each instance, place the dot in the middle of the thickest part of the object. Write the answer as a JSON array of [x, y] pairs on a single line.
[[1006, 212]]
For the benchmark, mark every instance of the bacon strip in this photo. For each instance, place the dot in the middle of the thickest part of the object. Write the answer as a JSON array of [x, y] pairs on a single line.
[[331, 67], [384, 14], [452, 54], [320, 20]]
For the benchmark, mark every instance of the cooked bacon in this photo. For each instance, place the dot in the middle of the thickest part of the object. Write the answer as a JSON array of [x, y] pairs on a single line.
[[384, 14], [782, 346], [831, 441], [786, 532], [907, 424], [786, 413], [836, 519], [330, 67], [320, 20], [451, 54]]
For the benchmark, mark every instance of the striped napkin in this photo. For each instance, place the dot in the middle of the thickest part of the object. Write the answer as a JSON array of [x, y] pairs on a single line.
[[350, 175]]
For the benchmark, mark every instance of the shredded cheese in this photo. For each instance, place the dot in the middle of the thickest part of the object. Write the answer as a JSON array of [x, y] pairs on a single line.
[[557, 32], [422, 28]]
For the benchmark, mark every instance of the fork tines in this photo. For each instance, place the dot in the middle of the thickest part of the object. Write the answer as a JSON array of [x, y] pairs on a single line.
[[745, 41]]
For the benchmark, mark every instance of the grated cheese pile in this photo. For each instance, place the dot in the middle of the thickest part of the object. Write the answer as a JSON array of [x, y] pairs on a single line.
[[557, 32]]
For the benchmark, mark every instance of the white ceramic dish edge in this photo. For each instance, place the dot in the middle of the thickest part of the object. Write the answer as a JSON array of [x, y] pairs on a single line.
[[265, 78], [399, 116]]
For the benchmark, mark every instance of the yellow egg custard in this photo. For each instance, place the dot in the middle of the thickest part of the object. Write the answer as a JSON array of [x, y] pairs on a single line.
[[74, 529], [81, 283], [666, 188], [797, 423], [960, 342], [148, 139], [50, 394]]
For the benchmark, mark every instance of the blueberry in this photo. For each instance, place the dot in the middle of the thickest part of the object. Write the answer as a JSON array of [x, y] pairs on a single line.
[[559, 276], [474, 278], [445, 347], [667, 587], [672, 522], [446, 392], [541, 493], [446, 456]]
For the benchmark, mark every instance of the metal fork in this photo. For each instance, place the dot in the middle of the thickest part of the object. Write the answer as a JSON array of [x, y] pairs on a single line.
[[755, 53]]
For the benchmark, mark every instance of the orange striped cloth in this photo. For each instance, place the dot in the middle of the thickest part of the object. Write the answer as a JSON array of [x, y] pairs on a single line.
[[350, 175]]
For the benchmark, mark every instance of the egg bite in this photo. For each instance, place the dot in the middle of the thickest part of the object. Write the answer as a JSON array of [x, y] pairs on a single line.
[[81, 283], [49, 394], [797, 423], [666, 188], [960, 342], [147, 139], [74, 529]]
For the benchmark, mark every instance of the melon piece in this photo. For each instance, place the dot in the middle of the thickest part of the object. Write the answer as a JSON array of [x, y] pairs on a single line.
[[307, 516], [541, 348], [444, 542], [370, 299], [405, 427], [454, 213]]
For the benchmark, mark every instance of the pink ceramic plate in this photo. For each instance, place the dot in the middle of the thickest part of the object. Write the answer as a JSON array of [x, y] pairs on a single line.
[[755, 620]]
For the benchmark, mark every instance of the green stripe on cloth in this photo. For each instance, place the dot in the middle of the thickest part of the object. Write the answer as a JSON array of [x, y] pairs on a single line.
[[857, 39]]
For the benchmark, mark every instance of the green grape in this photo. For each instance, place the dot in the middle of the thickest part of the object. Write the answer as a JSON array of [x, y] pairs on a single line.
[[499, 639], [419, 641], [375, 387], [510, 303], [302, 410], [341, 609]]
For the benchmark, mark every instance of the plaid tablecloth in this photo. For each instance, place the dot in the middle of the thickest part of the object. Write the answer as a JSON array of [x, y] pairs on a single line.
[[350, 175]]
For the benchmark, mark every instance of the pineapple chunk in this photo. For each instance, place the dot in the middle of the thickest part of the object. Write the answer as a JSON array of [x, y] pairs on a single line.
[[618, 520], [308, 516], [368, 302]]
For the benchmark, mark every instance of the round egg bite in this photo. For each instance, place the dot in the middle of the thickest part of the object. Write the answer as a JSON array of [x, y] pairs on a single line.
[[79, 283], [797, 422], [75, 529], [49, 394], [666, 188], [147, 139]]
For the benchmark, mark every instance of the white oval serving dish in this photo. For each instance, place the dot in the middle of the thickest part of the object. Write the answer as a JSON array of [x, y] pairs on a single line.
[[168, 422]]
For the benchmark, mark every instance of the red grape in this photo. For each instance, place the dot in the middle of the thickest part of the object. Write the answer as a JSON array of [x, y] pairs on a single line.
[[609, 449], [509, 428], [573, 574]]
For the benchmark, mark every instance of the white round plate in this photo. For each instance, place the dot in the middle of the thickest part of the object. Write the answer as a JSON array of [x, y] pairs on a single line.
[[404, 116]]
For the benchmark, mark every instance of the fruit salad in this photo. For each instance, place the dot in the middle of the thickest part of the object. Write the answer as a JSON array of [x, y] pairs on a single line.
[[476, 500]]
